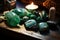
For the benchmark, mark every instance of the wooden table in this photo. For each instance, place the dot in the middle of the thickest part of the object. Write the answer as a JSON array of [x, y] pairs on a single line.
[[52, 36], [22, 30]]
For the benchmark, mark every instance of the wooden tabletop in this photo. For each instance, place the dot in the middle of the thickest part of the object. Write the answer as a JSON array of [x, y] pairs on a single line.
[[22, 30], [52, 36]]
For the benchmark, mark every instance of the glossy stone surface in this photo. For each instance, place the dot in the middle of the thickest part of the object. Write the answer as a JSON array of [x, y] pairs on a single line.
[[12, 19], [33, 16], [20, 11], [31, 25], [29, 14], [39, 19], [43, 25], [43, 28]]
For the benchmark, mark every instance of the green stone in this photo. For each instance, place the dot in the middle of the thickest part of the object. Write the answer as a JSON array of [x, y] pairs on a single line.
[[32, 16], [30, 23], [43, 28], [20, 11], [43, 25], [12, 19], [29, 14], [39, 19]]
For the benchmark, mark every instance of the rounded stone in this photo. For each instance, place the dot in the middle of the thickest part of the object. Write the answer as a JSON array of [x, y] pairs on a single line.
[[12, 19]]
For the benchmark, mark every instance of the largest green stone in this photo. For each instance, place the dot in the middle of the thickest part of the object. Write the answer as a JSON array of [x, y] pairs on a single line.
[[12, 19]]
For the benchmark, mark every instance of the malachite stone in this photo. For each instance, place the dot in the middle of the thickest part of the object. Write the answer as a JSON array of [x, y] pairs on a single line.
[[39, 19], [30, 23], [12, 18], [33, 17], [43, 25], [20, 11]]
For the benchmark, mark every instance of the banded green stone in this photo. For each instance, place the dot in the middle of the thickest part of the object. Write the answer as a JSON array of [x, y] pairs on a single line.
[[12, 19]]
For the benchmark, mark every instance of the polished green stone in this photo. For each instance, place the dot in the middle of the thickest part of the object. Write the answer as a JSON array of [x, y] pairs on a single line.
[[44, 16], [43, 25], [29, 14], [30, 23], [12, 19], [43, 28], [20, 11], [39, 19]]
